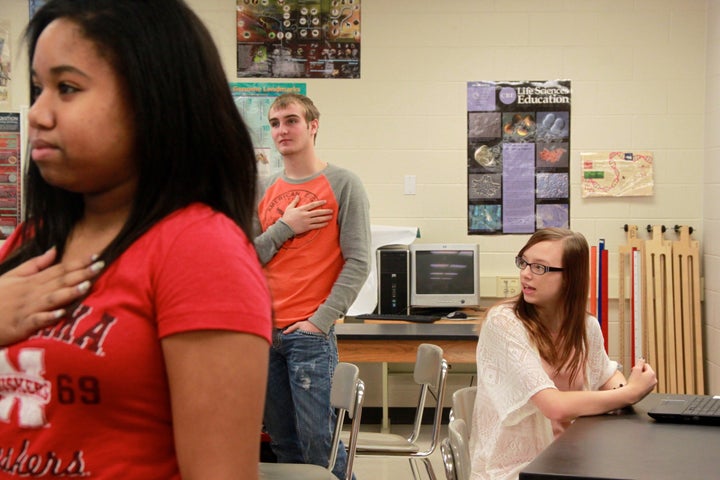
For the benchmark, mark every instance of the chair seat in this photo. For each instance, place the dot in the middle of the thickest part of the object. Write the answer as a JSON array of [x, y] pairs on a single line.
[[430, 373], [346, 395], [385, 442], [296, 471]]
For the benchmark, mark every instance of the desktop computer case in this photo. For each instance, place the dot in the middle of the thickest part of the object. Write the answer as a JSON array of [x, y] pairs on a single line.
[[393, 266]]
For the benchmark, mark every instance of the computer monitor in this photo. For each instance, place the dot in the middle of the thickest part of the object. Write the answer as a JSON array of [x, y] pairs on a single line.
[[444, 275]]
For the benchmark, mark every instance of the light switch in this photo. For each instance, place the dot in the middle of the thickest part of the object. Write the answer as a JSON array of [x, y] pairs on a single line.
[[409, 184]]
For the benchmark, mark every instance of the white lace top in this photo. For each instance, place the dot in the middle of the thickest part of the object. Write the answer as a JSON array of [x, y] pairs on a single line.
[[508, 431]]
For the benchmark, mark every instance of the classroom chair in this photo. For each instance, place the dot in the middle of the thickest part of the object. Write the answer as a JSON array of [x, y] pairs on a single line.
[[447, 458], [456, 466], [463, 402], [456, 451], [430, 372], [347, 394]]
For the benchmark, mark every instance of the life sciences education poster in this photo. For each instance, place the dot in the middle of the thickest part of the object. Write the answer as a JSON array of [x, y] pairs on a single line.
[[518, 153], [298, 38]]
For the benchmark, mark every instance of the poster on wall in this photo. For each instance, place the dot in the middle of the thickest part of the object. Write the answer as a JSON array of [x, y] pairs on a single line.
[[4, 62], [518, 156], [253, 100], [10, 173], [35, 5], [298, 38], [617, 174]]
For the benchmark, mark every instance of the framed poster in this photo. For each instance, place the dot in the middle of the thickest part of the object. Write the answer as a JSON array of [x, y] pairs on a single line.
[[518, 151]]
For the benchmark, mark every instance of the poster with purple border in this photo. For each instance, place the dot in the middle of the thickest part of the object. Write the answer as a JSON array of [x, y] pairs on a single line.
[[518, 156]]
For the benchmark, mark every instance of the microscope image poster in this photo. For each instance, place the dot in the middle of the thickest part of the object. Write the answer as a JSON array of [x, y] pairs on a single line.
[[518, 156], [298, 38]]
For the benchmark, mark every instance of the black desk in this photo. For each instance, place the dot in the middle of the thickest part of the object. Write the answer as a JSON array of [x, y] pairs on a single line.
[[630, 446]]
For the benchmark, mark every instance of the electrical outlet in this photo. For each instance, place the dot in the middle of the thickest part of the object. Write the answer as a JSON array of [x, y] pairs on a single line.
[[507, 286]]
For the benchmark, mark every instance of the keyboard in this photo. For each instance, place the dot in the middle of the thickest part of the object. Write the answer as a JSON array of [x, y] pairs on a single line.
[[703, 405], [696, 409], [399, 317]]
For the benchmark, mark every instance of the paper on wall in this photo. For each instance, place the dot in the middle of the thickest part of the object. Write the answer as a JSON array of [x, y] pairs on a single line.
[[381, 236], [617, 174]]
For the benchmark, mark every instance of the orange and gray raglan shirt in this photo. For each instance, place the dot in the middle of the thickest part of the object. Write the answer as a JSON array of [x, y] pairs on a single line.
[[316, 275]]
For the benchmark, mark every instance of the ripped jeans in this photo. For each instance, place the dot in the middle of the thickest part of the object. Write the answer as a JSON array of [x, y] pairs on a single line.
[[298, 416]]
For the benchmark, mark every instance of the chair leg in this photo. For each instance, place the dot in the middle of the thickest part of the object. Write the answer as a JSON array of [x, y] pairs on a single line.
[[429, 468], [414, 469]]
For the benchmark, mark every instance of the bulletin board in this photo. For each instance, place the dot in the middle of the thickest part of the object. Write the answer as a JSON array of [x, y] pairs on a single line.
[[518, 152]]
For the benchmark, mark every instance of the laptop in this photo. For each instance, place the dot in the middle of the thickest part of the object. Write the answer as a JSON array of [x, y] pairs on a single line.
[[697, 409]]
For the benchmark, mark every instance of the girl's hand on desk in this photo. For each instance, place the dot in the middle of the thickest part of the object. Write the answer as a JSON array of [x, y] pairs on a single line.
[[32, 295], [641, 381]]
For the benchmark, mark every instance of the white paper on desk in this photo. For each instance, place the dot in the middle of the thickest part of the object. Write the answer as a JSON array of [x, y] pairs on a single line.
[[381, 236]]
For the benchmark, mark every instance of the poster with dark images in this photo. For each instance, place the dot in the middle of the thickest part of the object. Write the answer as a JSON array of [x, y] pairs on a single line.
[[298, 38], [10, 173], [518, 156]]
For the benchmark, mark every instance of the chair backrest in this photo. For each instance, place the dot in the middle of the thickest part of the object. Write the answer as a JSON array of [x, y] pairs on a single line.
[[458, 435], [463, 403], [347, 395], [431, 374], [428, 365]]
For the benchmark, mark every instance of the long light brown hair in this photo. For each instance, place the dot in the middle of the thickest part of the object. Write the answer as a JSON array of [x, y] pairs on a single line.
[[569, 349]]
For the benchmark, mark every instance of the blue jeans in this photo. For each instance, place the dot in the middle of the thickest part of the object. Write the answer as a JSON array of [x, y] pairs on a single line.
[[298, 415]]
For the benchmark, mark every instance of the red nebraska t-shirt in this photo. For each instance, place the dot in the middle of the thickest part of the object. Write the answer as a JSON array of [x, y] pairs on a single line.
[[89, 396]]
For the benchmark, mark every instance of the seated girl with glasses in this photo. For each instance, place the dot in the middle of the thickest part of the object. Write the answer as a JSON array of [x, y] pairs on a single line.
[[541, 362]]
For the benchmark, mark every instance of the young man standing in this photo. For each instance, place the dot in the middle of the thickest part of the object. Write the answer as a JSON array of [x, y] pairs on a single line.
[[315, 246]]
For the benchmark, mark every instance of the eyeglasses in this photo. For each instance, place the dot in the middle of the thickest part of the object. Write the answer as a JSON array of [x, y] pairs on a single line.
[[536, 268]]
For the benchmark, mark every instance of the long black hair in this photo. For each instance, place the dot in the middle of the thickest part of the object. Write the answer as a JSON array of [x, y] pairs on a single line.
[[191, 142]]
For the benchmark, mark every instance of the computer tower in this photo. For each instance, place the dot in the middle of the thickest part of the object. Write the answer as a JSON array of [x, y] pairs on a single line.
[[393, 266]]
